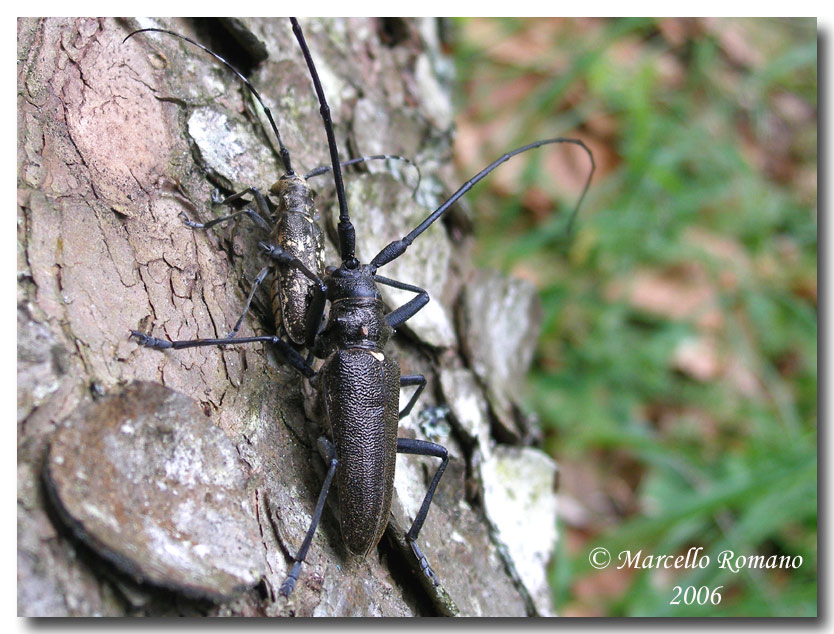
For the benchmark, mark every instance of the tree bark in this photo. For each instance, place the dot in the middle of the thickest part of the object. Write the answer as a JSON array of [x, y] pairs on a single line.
[[115, 142]]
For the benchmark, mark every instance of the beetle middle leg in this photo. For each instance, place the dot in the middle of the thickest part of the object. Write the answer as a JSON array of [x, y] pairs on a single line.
[[255, 284], [260, 202], [423, 448], [412, 379], [251, 213]]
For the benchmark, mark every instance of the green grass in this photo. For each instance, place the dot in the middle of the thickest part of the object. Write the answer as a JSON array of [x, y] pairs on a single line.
[[705, 182]]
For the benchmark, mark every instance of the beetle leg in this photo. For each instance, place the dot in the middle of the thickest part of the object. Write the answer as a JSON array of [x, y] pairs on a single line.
[[409, 309], [260, 201], [258, 280], [284, 257], [412, 379], [317, 304], [290, 354], [246, 212], [423, 448], [289, 583]]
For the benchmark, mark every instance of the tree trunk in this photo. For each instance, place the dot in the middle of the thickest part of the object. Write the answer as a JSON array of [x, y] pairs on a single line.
[[116, 141]]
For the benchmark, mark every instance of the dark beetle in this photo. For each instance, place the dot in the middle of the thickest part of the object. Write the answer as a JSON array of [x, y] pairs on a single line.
[[359, 382]]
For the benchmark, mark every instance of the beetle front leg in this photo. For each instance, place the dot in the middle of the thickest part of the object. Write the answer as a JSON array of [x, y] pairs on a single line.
[[248, 212], [410, 308], [260, 202], [286, 258], [289, 353], [423, 448], [315, 311]]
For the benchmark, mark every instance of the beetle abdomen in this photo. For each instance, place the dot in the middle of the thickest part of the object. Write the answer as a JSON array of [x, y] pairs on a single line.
[[361, 397]]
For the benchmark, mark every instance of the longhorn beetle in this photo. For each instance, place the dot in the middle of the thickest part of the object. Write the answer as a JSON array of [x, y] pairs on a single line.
[[297, 293], [359, 382]]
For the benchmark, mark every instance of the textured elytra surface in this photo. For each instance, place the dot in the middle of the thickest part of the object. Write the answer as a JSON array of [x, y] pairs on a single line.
[[364, 429], [115, 142], [297, 231]]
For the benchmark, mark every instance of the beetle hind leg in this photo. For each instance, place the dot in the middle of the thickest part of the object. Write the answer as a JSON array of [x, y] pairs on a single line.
[[423, 448], [289, 583]]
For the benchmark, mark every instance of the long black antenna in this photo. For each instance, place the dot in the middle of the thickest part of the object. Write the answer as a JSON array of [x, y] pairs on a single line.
[[347, 235], [398, 247], [285, 155]]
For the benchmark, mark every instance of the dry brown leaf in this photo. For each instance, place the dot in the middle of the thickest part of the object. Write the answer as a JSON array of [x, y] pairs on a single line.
[[532, 46], [742, 378], [722, 247], [610, 582], [793, 108], [731, 35], [626, 52], [698, 358], [683, 294]]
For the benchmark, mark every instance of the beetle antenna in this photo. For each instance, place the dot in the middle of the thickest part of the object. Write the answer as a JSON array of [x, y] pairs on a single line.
[[285, 155], [347, 235], [398, 247]]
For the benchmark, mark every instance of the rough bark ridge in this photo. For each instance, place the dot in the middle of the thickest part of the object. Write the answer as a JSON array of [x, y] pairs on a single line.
[[115, 142]]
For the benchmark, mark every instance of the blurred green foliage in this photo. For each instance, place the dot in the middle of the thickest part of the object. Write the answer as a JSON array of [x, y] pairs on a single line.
[[700, 226]]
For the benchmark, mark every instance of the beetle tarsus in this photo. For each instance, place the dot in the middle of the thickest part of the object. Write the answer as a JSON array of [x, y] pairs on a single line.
[[424, 563], [289, 583], [190, 223], [150, 342]]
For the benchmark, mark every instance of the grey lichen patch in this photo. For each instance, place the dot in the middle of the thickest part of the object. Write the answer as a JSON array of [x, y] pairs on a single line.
[[435, 101], [40, 361], [361, 592], [499, 321], [374, 126], [146, 480], [467, 406], [229, 148], [520, 502]]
